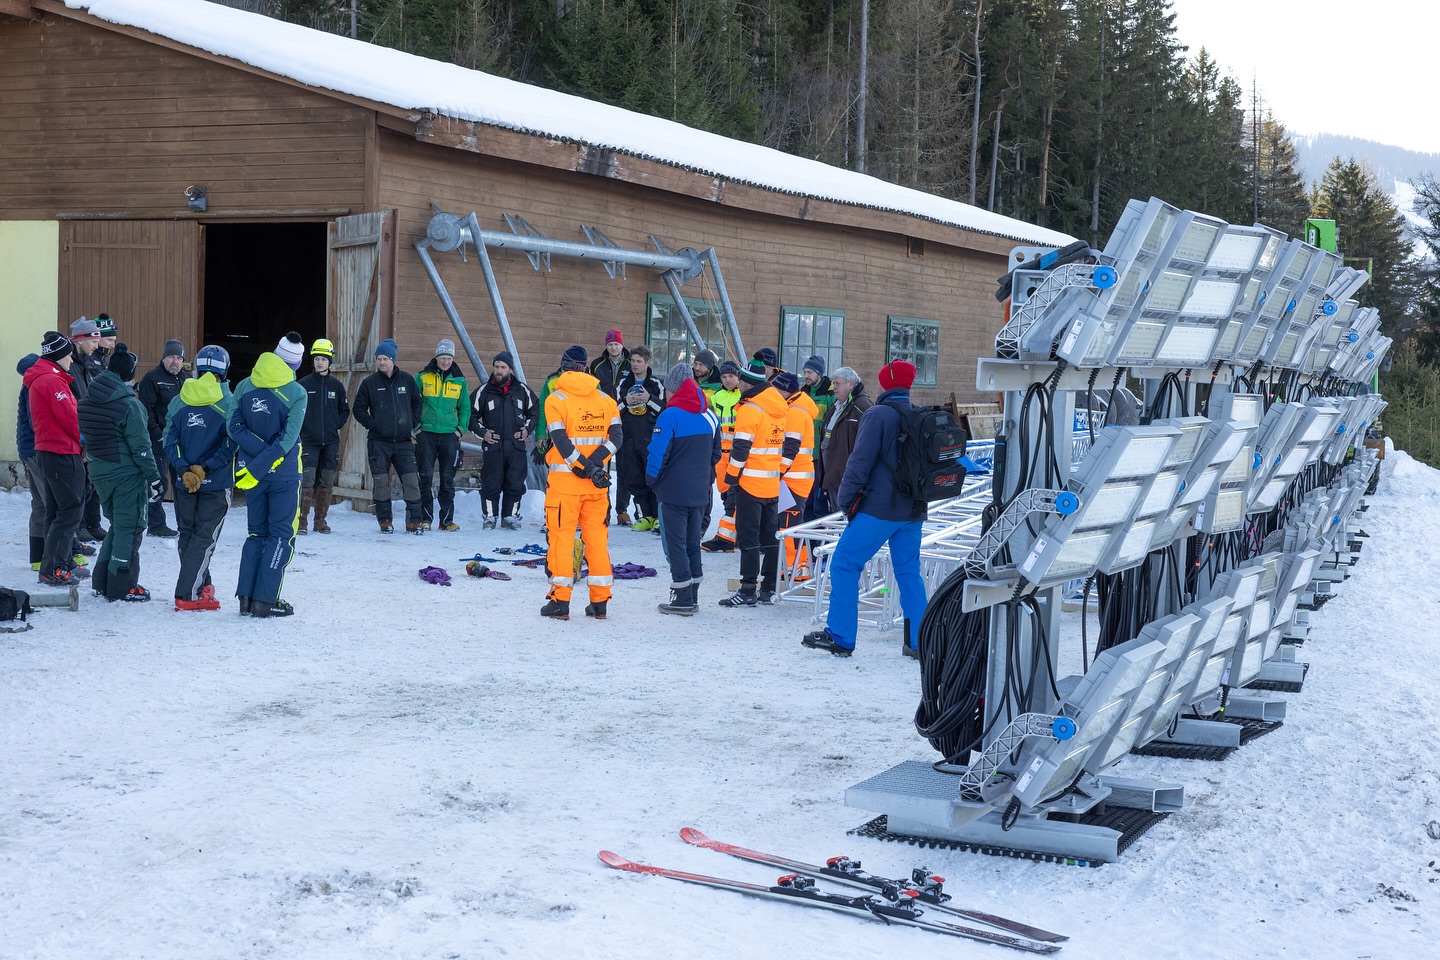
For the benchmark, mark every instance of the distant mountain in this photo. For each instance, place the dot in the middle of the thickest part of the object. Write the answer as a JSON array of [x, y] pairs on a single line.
[[1315, 151]]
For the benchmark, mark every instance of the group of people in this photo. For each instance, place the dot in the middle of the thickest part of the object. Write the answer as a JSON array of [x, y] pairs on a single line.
[[779, 447]]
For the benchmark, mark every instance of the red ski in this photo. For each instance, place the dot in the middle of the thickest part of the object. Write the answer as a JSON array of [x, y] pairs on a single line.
[[801, 890], [922, 885]]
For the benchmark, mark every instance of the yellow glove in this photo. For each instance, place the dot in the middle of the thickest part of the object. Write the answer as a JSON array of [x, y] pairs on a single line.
[[193, 476], [244, 480]]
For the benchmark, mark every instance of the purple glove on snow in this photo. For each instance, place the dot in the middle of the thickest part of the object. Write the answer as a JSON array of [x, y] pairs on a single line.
[[435, 575]]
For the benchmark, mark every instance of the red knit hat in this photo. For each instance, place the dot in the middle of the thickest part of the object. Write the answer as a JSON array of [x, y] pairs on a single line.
[[897, 373], [613, 336]]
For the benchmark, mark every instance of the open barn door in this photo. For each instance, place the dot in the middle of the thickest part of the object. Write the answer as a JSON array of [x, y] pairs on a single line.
[[361, 313]]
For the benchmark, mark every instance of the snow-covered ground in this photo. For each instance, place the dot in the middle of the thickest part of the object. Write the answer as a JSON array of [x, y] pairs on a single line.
[[413, 771]]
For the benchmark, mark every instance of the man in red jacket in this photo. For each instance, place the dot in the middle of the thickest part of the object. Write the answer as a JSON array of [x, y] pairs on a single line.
[[55, 417]]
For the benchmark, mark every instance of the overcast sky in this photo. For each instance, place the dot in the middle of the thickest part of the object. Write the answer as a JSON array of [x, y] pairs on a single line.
[[1364, 69]]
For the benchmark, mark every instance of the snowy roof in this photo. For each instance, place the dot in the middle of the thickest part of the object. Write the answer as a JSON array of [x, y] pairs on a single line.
[[386, 76]]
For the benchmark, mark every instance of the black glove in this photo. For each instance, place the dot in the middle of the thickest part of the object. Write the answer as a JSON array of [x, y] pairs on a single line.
[[598, 475], [542, 446], [157, 490]]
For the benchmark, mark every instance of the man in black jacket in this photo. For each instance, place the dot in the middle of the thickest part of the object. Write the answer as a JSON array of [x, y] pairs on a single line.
[[157, 389], [388, 405], [505, 410], [326, 411], [88, 366]]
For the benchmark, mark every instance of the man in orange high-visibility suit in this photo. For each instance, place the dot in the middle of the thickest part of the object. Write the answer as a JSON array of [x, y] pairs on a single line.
[[724, 403], [583, 424], [799, 478], [758, 457]]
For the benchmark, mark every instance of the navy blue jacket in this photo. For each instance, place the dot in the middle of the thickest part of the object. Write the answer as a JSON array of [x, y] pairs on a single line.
[[326, 409], [24, 429], [870, 471], [684, 449], [265, 422], [198, 433]]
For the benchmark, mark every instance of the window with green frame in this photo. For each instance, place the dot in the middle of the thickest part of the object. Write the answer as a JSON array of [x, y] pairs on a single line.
[[809, 331], [668, 338], [917, 341]]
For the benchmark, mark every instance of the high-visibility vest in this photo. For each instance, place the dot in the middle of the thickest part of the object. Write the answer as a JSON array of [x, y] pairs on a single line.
[[724, 403], [586, 414], [762, 421], [800, 423]]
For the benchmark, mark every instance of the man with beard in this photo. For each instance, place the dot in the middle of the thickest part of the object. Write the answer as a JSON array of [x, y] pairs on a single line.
[[504, 414], [157, 389]]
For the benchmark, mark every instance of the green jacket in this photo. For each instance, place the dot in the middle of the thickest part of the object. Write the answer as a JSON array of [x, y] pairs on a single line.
[[824, 396], [542, 429], [445, 400], [116, 428]]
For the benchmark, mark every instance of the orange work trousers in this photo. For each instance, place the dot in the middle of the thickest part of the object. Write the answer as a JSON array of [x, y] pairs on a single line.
[[564, 514]]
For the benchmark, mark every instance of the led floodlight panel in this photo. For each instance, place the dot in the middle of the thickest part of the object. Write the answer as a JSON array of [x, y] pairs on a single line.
[[1287, 339], [1211, 616], [1322, 348], [1046, 768], [1175, 634], [1276, 301], [1299, 571], [1110, 483], [1216, 672], [1226, 287], [1134, 251]]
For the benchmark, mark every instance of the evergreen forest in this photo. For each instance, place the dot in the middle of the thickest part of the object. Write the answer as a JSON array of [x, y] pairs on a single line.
[[1055, 112]]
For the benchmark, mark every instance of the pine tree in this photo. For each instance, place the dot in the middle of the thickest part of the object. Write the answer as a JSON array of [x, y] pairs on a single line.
[[1278, 197], [1371, 232]]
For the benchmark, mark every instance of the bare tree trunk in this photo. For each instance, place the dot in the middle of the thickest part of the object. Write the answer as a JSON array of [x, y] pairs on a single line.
[[975, 125], [1046, 133], [995, 148], [864, 85], [1099, 141]]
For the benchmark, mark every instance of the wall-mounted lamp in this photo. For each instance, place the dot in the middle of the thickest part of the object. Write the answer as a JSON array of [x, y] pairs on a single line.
[[195, 198]]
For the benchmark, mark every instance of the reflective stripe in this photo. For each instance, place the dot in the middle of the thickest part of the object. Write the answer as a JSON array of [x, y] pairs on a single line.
[[744, 436], [615, 421], [600, 581], [806, 452], [560, 468], [558, 395], [793, 475], [797, 436], [557, 425], [588, 441], [562, 581], [768, 451], [766, 474]]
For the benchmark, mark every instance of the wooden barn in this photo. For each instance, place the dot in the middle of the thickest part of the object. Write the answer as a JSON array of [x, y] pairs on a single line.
[[215, 176]]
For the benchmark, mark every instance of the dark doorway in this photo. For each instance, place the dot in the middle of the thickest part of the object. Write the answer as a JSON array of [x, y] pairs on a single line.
[[263, 280]]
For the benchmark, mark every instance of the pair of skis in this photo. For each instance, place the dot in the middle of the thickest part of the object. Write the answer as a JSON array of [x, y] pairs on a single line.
[[890, 901]]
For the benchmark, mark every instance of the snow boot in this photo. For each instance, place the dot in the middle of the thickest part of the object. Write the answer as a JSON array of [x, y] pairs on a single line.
[[596, 609], [307, 496], [682, 602], [556, 609], [322, 507], [821, 640]]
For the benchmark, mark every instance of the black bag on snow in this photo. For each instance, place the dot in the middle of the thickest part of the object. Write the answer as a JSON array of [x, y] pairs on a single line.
[[14, 604], [931, 444]]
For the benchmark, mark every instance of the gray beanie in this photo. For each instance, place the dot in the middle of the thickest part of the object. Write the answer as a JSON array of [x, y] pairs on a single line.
[[678, 374], [708, 358]]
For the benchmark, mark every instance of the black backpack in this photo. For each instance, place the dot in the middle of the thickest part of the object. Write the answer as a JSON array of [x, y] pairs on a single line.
[[14, 604], [931, 444]]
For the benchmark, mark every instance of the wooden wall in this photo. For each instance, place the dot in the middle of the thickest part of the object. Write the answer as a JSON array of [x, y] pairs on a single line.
[[94, 122], [767, 262]]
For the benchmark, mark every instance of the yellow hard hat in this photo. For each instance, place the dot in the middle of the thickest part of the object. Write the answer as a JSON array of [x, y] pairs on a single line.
[[322, 348]]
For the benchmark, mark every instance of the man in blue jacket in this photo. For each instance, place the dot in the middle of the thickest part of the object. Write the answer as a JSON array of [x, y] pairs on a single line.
[[878, 515], [680, 471], [202, 455], [265, 425]]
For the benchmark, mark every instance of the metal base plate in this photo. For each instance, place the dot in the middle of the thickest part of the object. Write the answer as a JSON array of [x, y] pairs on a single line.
[[1129, 824]]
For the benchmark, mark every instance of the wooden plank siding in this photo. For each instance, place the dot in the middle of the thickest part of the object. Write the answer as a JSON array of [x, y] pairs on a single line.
[[767, 262], [94, 121], [147, 274]]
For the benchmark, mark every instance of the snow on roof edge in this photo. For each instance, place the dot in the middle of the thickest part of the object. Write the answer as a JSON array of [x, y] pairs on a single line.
[[382, 75]]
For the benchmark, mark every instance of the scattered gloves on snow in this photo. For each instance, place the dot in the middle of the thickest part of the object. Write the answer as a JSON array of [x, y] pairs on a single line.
[[435, 575]]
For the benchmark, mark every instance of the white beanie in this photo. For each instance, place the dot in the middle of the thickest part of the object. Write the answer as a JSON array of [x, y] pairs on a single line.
[[291, 349]]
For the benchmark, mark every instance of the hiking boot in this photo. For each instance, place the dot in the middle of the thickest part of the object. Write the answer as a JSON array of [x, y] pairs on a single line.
[[766, 597], [163, 532], [386, 526], [304, 526], [136, 595], [512, 523], [622, 519], [94, 533], [488, 523], [556, 609], [596, 610], [321, 526], [718, 544], [740, 598], [821, 640], [83, 549], [682, 602], [58, 578], [451, 527], [244, 606], [416, 528], [259, 608]]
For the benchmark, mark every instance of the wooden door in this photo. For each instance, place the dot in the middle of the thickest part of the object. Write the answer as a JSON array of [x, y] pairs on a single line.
[[145, 273], [360, 299]]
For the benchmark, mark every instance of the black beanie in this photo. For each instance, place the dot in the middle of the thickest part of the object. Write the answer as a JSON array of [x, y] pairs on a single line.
[[122, 363], [55, 346], [504, 357], [574, 358]]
